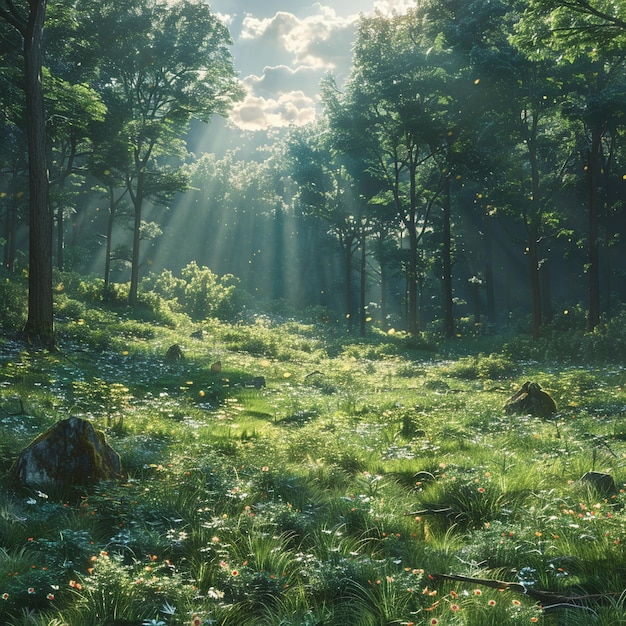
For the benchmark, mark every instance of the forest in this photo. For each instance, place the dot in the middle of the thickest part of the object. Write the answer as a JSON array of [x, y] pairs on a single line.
[[470, 167], [366, 371]]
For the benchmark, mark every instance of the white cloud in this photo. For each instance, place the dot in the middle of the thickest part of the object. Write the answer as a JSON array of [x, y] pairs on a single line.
[[319, 40], [391, 7], [255, 112], [281, 79], [283, 48]]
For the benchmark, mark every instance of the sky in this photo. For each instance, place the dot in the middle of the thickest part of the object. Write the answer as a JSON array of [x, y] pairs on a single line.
[[282, 49]]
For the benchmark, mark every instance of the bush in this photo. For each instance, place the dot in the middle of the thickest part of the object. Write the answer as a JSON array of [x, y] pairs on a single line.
[[491, 366], [13, 296], [199, 292]]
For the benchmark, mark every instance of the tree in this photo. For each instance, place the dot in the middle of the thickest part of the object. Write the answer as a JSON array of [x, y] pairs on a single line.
[[590, 37], [28, 20], [327, 191], [174, 66], [388, 114]]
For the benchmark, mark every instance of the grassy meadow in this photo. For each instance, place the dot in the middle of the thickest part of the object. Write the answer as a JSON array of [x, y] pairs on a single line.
[[371, 482]]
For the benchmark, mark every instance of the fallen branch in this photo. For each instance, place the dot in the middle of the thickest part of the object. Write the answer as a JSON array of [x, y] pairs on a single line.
[[549, 600], [429, 511]]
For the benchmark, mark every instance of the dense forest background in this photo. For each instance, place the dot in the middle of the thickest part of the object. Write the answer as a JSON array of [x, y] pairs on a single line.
[[468, 174]]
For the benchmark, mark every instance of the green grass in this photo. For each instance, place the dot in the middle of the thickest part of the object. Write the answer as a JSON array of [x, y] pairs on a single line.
[[335, 495]]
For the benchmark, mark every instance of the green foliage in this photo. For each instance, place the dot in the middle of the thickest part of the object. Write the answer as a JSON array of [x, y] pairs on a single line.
[[483, 366], [13, 296], [199, 292]]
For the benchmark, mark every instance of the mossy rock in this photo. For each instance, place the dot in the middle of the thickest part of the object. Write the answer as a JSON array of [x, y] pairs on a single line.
[[72, 452]]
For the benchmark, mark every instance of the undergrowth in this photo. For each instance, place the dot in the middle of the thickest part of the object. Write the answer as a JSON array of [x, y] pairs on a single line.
[[369, 483]]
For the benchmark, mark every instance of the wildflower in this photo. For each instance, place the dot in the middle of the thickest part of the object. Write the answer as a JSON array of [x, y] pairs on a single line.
[[534, 620], [478, 592], [455, 607], [235, 572], [5, 596], [31, 590], [434, 621], [50, 597], [265, 468], [492, 603], [516, 603], [481, 490], [75, 585], [195, 621]]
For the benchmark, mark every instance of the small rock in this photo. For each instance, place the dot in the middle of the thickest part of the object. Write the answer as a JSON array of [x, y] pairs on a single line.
[[174, 353], [531, 400], [603, 483]]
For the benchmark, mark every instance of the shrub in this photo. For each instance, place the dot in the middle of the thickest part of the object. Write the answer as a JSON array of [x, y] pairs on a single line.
[[13, 296], [199, 292], [483, 366]]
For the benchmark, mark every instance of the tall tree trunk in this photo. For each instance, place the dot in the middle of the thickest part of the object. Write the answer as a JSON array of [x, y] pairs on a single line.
[[347, 268], [535, 284], [383, 281], [362, 287], [447, 261], [277, 276], [593, 244], [10, 248], [546, 287], [413, 317], [60, 237], [533, 224], [134, 270], [106, 294], [40, 308], [489, 280]]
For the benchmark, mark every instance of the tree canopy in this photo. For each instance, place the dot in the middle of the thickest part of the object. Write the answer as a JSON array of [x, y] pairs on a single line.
[[470, 166]]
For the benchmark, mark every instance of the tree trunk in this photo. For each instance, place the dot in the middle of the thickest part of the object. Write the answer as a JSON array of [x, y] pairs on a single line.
[[10, 248], [383, 281], [489, 280], [278, 256], [134, 270], [447, 261], [412, 301], [533, 224], [39, 324], [348, 282], [593, 246], [535, 284], [60, 237], [362, 287], [546, 286]]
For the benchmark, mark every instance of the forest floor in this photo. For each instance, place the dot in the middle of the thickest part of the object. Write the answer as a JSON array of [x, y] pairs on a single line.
[[366, 483]]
